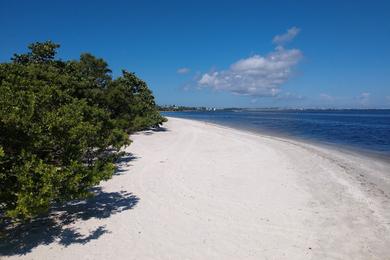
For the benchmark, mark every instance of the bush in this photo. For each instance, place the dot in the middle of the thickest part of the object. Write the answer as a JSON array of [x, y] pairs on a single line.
[[62, 124]]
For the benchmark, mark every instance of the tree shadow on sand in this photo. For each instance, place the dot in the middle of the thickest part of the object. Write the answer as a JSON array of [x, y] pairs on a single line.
[[18, 239], [153, 130], [123, 163]]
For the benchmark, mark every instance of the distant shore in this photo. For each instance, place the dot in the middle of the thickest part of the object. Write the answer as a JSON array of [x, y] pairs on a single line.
[[365, 132], [206, 191], [341, 148]]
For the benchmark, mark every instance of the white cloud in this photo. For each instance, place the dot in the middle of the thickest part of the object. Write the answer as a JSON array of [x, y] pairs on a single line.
[[326, 97], [256, 75], [364, 98], [286, 37], [183, 70], [289, 96]]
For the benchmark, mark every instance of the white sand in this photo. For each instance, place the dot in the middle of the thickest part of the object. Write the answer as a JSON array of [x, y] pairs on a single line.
[[209, 192]]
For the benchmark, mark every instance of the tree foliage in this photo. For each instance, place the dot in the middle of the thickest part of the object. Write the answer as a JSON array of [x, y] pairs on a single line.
[[62, 125]]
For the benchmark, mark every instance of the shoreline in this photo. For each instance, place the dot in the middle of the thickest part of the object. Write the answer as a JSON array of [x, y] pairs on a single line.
[[195, 190], [331, 152], [343, 148]]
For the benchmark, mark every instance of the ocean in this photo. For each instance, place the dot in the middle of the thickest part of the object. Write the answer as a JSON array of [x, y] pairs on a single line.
[[360, 130]]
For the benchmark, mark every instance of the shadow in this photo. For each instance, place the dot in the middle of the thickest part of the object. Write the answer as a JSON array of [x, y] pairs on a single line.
[[123, 162], [159, 129], [153, 130], [19, 239]]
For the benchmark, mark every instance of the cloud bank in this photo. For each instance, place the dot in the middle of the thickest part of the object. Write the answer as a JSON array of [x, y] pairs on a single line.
[[257, 75], [326, 97], [364, 98]]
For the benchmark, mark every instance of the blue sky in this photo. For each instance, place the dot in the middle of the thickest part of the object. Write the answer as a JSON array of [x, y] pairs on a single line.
[[223, 53]]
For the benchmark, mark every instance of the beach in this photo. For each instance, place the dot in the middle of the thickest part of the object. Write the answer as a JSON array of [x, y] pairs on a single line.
[[195, 190]]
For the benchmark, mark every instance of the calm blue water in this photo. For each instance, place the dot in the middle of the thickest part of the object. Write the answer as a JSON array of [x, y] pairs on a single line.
[[364, 130]]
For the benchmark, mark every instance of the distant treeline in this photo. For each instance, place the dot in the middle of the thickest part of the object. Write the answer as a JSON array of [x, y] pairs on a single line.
[[172, 108], [182, 108], [265, 109], [62, 124]]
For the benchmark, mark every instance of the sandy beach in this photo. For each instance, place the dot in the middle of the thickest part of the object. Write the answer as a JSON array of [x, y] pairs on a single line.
[[193, 190]]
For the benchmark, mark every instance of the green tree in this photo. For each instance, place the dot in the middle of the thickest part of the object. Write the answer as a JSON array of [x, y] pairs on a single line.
[[62, 125]]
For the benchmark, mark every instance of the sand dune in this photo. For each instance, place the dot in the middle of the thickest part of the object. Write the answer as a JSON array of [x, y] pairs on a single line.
[[200, 191]]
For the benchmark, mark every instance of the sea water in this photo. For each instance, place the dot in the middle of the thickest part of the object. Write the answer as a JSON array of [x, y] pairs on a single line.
[[361, 130]]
